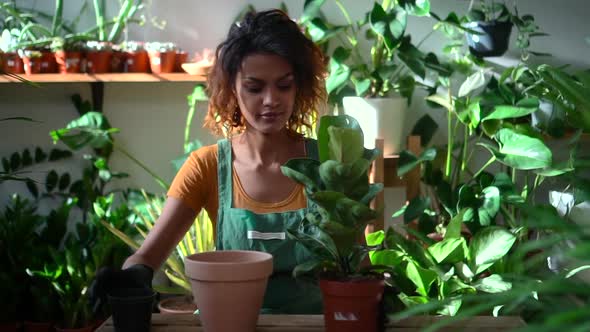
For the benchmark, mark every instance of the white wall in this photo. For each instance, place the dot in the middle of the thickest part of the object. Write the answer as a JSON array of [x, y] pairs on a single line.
[[151, 115]]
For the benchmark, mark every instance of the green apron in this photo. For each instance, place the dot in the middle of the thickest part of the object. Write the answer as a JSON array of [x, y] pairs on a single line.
[[240, 229]]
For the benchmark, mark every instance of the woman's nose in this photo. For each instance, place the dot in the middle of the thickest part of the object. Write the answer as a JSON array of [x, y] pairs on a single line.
[[270, 97]]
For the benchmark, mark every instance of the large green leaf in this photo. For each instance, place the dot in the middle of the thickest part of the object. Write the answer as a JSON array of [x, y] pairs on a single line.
[[473, 82], [91, 129], [521, 151], [422, 278], [449, 250], [416, 208], [326, 121], [492, 284], [488, 246], [522, 108], [305, 171], [339, 75], [346, 144]]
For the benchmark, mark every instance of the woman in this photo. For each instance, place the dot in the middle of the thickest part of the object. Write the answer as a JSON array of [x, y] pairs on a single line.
[[265, 86]]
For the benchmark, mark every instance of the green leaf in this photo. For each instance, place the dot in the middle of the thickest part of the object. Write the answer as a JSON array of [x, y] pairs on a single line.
[[26, 158], [448, 250], [375, 238], [488, 246], [32, 187], [521, 151], [361, 86], [408, 161], [311, 9], [40, 155], [326, 121], [421, 277], [386, 257], [339, 75], [306, 268], [412, 57], [507, 111], [416, 208], [473, 82], [416, 7], [15, 161], [304, 171], [441, 100], [398, 22], [92, 129], [490, 206], [492, 284], [454, 227], [346, 144]]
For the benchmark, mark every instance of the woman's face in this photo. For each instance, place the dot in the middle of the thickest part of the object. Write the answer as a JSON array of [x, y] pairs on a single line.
[[265, 89]]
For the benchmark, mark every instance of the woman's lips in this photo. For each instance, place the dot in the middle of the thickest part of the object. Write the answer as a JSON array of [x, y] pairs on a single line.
[[270, 115]]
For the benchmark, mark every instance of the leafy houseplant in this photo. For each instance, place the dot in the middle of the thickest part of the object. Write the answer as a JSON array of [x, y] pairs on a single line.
[[340, 191], [368, 85]]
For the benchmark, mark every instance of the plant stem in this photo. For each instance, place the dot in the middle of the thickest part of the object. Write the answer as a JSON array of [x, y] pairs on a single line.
[[99, 14], [57, 17], [158, 180], [488, 163], [449, 137], [189, 121], [464, 159]]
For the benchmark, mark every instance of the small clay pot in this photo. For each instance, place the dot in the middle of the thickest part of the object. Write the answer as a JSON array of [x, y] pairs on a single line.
[[13, 63], [177, 305], [181, 57], [68, 62], [162, 62], [137, 62], [48, 64], [32, 65], [98, 62]]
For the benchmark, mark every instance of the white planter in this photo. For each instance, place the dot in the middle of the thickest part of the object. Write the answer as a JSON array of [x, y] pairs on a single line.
[[379, 118]]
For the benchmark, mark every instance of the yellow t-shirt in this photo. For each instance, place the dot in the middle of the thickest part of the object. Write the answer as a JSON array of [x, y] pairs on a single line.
[[196, 185]]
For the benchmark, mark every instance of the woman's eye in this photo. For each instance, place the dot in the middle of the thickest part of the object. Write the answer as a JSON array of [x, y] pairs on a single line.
[[285, 87], [253, 89]]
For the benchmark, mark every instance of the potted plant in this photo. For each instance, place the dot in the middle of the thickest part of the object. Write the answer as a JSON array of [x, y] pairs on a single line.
[[31, 61], [374, 89], [162, 57], [98, 56], [12, 63], [136, 57], [338, 185], [68, 55], [490, 26]]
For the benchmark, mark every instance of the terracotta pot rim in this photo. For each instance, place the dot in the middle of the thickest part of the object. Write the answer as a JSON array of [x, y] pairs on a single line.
[[229, 265], [162, 305]]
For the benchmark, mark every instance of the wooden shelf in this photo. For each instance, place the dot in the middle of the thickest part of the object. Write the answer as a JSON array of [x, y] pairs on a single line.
[[105, 78]]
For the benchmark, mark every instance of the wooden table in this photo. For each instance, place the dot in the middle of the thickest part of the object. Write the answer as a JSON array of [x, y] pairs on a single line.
[[315, 323]]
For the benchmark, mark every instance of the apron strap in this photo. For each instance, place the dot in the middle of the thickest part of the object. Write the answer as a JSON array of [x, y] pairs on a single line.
[[311, 149], [224, 173]]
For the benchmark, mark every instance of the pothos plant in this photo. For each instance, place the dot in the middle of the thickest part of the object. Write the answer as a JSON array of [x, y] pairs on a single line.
[[339, 189], [394, 61], [468, 223]]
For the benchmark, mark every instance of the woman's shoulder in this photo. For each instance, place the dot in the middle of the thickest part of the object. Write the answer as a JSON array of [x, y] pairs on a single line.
[[205, 154]]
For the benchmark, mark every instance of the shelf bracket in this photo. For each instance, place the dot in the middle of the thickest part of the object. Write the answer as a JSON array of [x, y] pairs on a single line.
[[97, 90]]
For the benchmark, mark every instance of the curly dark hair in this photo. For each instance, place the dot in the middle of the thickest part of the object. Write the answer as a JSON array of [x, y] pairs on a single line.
[[270, 32]]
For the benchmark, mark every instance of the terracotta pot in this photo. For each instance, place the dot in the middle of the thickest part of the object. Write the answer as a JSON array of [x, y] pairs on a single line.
[[38, 327], [32, 65], [177, 305], [352, 305], [137, 62], [98, 62], [48, 64], [13, 63], [162, 62], [68, 62], [229, 286], [118, 62], [181, 57]]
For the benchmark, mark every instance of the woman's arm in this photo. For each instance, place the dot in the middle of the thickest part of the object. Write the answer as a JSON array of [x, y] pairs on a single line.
[[173, 223]]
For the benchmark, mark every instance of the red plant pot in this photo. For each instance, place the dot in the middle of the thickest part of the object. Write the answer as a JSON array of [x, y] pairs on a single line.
[[137, 62], [68, 62], [32, 65], [48, 64], [181, 57], [118, 62], [162, 62], [13, 63], [98, 62], [351, 306]]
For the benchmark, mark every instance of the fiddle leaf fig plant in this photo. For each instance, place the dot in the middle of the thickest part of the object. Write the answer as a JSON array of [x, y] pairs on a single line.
[[339, 188]]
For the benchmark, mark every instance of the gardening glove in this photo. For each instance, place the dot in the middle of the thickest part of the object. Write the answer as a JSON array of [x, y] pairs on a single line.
[[108, 279]]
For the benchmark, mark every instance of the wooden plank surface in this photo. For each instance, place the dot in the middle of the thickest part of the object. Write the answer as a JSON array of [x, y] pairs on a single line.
[[108, 77], [315, 323]]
